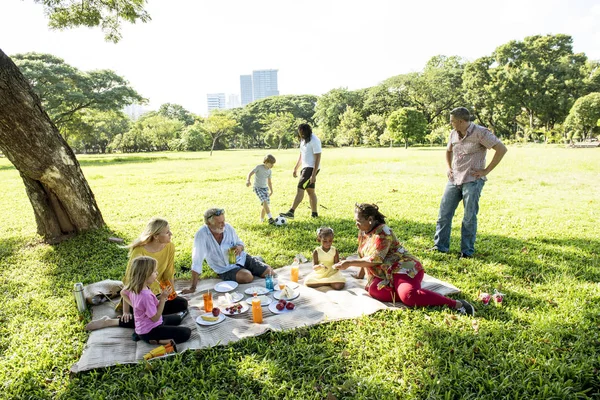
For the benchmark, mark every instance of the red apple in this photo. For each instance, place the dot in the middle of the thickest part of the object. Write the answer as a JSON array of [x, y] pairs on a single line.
[[290, 305], [216, 311], [280, 306]]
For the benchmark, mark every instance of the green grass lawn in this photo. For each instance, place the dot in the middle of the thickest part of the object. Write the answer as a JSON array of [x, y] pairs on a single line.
[[538, 243]]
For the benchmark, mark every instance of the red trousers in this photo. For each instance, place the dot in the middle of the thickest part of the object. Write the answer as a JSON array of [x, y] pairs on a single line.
[[408, 290]]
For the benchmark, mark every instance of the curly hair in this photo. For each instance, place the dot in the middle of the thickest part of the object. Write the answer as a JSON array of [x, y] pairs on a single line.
[[366, 210]]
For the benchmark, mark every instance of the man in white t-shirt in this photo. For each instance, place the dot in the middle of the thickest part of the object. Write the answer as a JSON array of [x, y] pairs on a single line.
[[310, 159]]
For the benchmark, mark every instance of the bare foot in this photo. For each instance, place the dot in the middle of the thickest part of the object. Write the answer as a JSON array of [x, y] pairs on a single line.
[[101, 323]]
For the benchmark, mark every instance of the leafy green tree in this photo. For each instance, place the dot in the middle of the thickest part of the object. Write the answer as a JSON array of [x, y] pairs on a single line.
[[484, 98], [407, 123], [372, 129], [218, 125], [60, 196], [281, 129], [330, 108], [438, 135], [194, 137], [253, 117], [153, 132], [348, 132], [66, 92], [584, 116], [434, 91], [98, 129], [542, 75], [383, 99], [175, 111], [108, 15]]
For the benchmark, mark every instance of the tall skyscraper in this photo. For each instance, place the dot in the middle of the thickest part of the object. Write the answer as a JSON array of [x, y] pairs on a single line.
[[215, 101], [246, 89], [233, 101], [264, 83]]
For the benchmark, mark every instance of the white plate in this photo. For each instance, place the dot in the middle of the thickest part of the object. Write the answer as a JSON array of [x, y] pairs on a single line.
[[225, 286], [228, 298], [264, 300], [274, 310], [236, 296], [277, 295], [290, 284], [200, 321], [245, 307], [257, 289]]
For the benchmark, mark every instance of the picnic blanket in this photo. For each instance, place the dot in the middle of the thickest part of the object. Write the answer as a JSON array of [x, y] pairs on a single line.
[[114, 345]]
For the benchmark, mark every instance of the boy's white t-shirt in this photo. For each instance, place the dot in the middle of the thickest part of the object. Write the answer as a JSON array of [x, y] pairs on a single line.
[[308, 151]]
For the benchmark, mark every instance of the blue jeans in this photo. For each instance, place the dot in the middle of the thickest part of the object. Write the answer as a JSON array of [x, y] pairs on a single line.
[[469, 193]]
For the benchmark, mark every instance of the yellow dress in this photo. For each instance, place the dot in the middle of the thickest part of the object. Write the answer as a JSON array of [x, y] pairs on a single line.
[[165, 260], [327, 274]]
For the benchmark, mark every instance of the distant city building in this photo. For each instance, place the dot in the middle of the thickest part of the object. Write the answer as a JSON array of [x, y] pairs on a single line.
[[233, 101], [264, 83], [135, 111], [246, 89], [215, 101]]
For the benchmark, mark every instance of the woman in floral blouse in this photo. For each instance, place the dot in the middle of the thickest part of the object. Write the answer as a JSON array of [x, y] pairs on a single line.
[[393, 273]]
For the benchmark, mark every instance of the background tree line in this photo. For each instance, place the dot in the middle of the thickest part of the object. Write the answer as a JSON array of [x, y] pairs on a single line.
[[535, 89]]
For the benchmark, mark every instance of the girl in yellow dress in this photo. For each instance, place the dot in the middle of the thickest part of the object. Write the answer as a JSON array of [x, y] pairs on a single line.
[[324, 257]]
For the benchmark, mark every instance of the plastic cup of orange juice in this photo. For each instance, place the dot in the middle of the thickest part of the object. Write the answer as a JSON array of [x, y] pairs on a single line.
[[208, 301], [294, 273]]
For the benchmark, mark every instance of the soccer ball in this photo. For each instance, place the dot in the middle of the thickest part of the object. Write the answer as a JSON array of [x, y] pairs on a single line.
[[279, 221]]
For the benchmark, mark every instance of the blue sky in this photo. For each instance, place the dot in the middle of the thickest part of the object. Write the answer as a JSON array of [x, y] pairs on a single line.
[[193, 47]]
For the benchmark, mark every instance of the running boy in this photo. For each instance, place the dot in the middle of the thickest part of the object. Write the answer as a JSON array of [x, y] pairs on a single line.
[[262, 186]]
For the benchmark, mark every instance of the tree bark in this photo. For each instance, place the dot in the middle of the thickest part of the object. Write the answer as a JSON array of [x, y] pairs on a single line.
[[62, 200]]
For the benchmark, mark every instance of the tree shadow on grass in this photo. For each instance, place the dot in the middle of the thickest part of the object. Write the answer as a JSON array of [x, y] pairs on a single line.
[[9, 246], [88, 257], [537, 260], [268, 366]]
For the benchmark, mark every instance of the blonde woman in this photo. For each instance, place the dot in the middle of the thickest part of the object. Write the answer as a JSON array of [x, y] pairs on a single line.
[[147, 308], [155, 242]]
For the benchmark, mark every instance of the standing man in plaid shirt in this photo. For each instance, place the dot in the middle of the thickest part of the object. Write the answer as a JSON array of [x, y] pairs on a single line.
[[465, 156]]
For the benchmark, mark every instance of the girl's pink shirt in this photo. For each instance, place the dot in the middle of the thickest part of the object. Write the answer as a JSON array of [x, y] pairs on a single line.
[[144, 306]]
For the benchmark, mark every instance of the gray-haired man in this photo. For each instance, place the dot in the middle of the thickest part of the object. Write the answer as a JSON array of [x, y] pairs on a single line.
[[465, 157]]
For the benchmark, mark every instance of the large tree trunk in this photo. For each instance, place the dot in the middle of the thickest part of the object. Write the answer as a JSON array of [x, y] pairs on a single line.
[[62, 201]]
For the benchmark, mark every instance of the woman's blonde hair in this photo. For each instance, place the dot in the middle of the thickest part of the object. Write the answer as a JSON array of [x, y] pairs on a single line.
[[154, 227], [141, 269]]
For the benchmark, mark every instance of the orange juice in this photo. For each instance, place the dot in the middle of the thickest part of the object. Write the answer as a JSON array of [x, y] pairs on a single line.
[[294, 273], [164, 284], [208, 301], [257, 316]]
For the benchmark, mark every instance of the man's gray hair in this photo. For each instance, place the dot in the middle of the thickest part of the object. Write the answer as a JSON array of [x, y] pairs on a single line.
[[461, 113], [211, 212]]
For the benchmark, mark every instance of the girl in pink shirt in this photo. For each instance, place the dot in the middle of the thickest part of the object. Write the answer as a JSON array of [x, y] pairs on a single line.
[[150, 325]]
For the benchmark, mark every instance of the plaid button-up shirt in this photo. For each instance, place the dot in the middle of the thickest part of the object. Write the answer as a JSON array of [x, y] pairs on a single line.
[[468, 153]]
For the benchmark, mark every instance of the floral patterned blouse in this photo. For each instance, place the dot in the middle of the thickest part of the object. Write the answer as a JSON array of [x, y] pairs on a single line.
[[381, 247]]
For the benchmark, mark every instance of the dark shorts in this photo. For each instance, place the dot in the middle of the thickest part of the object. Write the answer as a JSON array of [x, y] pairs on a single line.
[[253, 264], [304, 182]]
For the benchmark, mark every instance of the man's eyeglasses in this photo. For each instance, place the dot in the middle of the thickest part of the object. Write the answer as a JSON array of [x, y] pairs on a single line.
[[217, 212]]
